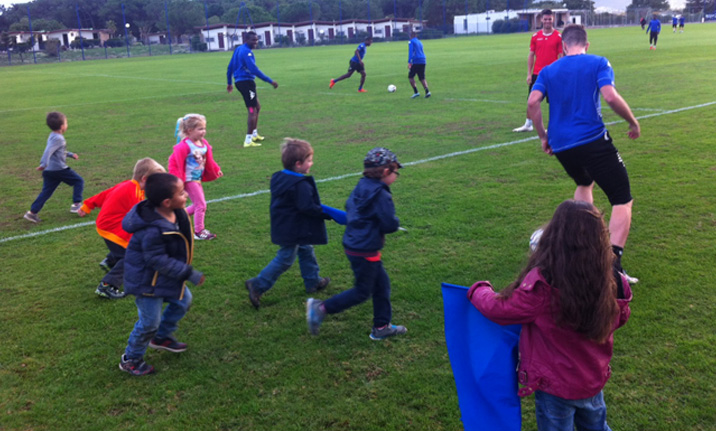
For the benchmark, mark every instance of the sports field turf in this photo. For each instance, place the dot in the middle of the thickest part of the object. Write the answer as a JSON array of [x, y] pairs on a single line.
[[470, 195]]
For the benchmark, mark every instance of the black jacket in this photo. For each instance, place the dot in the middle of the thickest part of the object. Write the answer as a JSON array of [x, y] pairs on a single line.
[[296, 214]]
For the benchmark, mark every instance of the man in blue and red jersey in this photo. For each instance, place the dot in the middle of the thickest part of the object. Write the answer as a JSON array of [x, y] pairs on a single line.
[[577, 134], [545, 49], [242, 68], [416, 64], [356, 65]]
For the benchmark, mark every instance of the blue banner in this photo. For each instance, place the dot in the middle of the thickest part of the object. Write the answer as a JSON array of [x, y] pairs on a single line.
[[483, 356]]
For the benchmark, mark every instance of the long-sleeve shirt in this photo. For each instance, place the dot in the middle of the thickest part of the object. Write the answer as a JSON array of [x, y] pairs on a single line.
[[415, 52], [55, 155], [654, 25], [115, 203], [242, 66]]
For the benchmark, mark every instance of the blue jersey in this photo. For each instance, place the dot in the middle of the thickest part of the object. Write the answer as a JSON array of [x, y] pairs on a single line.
[[361, 53], [674, 20], [575, 112], [681, 21], [242, 66], [415, 52], [654, 25]]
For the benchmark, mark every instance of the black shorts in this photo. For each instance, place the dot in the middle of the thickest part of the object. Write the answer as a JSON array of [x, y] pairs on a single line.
[[534, 79], [248, 90], [417, 69], [353, 66], [599, 162]]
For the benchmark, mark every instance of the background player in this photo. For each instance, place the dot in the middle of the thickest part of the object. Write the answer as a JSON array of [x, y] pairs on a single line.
[[356, 65], [416, 65]]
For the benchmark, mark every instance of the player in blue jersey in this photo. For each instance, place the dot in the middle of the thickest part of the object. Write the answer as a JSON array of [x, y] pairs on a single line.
[[356, 65], [653, 29], [243, 70], [674, 21], [681, 23], [416, 65], [577, 134]]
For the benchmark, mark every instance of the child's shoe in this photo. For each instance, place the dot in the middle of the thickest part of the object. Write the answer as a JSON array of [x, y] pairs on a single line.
[[135, 367], [322, 283], [204, 235], [31, 217], [108, 291], [169, 344], [314, 315], [254, 296], [387, 331], [105, 265], [76, 207]]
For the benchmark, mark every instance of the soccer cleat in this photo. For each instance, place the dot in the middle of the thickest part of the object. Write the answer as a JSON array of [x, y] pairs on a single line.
[[333, 82], [387, 331], [248, 144], [524, 128], [322, 283], [108, 291], [428, 94], [31, 217], [75, 207], [135, 367], [257, 138], [254, 296], [169, 344], [314, 315], [362, 90], [415, 95], [204, 234]]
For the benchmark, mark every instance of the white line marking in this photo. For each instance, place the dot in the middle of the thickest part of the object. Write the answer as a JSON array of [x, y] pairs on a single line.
[[340, 177], [647, 109]]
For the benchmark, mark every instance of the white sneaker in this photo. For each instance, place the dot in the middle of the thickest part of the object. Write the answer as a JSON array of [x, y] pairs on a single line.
[[524, 128]]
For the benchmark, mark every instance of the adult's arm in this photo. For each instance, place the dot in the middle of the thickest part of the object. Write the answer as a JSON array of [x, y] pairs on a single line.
[[534, 110], [619, 105]]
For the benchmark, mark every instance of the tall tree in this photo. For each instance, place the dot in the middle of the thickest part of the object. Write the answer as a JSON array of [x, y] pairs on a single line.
[[652, 4]]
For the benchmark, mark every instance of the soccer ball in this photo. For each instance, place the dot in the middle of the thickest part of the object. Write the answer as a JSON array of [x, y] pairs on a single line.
[[392, 88], [534, 239]]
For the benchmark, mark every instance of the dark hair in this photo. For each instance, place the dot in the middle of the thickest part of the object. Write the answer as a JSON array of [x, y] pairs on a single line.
[[575, 256], [249, 35], [574, 34], [377, 171], [369, 37], [293, 151], [55, 120], [546, 12], [160, 187]]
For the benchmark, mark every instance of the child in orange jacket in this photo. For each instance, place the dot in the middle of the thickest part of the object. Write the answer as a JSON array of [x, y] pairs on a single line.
[[115, 203]]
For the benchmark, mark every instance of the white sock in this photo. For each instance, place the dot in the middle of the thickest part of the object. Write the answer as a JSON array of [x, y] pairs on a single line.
[[256, 132], [248, 138], [528, 123]]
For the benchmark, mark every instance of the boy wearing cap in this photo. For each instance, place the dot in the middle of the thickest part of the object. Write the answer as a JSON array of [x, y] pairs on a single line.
[[370, 215]]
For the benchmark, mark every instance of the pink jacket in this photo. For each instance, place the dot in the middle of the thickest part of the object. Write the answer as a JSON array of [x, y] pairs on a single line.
[[177, 162], [553, 359]]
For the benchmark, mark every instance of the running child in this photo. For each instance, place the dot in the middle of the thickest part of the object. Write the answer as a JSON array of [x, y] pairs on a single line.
[[54, 168], [192, 161], [115, 203], [569, 300]]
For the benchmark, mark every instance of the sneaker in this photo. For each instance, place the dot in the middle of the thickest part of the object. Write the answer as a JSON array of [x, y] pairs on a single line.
[[251, 144], [105, 265], [75, 207], [362, 90], [322, 283], [524, 128], [314, 315], [257, 138], [31, 217], [415, 95], [204, 234], [254, 296], [387, 331], [169, 344], [428, 94], [333, 82], [108, 291], [135, 367]]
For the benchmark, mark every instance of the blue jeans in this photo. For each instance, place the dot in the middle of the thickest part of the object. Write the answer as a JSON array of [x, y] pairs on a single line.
[[557, 414], [115, 276], [371, 280], [153, 323], [285, 257], [51, 180]]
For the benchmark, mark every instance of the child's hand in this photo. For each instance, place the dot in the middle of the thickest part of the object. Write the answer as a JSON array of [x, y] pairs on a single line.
[[81, 213], [221, 174], [201, 280], [75, 156], [40, 168]]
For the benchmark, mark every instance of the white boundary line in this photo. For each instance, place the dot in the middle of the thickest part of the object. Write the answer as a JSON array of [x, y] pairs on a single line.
[[340, 177]]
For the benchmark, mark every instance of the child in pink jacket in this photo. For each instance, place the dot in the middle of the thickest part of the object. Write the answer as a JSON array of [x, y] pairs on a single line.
[[569, 300], [193, 162]]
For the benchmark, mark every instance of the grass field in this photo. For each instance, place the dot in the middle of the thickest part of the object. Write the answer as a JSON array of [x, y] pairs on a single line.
[[469, 216]]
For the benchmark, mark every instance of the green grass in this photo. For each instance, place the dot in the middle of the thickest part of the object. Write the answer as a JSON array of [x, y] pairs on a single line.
[[469, 217]]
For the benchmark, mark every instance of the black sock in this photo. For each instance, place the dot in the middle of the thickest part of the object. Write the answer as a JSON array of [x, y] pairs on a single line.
[[415, 89], [426, 90], [618, 252]]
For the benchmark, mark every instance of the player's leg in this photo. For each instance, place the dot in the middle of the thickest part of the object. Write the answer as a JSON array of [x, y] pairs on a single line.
[[362, 80], [50, 182], [411, 79], [421, 77], [527, 127], [255, 137], [584, 193]]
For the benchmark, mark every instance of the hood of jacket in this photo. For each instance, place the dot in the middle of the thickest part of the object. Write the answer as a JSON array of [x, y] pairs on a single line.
[[143, 215], [367, 190]]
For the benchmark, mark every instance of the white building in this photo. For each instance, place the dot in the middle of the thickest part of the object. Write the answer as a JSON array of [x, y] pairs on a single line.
[[68, 35], [24, 37], [482, 22]]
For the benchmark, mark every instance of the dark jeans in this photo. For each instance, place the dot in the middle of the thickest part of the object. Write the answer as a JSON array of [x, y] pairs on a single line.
[[370, 280], [52, 179], [115, 276], [558, 414]]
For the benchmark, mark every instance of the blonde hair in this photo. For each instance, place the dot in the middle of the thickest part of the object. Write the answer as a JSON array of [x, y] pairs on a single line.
[[145, 167], [187, 123], [293, 151]]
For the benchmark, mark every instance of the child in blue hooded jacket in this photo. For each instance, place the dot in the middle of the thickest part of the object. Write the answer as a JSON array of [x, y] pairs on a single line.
[[370, 215]]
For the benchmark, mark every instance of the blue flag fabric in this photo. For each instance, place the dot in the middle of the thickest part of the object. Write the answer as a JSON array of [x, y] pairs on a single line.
[[338, 216], [483, 356]]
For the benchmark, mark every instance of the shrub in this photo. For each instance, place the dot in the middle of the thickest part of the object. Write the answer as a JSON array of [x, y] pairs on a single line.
[[52, 47], [114, 43], [431, 33]]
